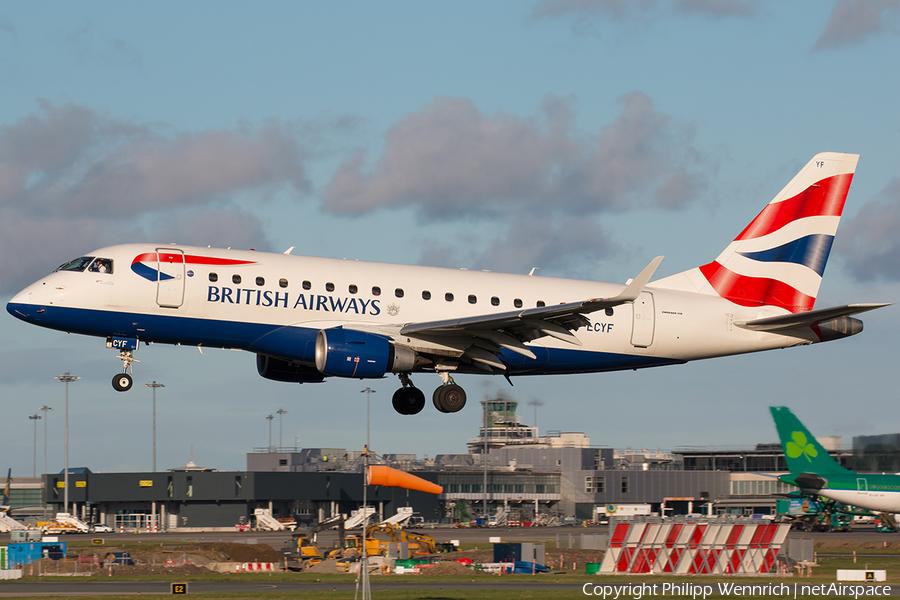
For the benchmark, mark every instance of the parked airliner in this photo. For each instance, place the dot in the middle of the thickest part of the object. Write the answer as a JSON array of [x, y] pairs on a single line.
[[814, 471], [310, 318]]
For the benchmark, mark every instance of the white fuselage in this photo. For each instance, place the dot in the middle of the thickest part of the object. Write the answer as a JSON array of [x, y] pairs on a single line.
[[274, 304]]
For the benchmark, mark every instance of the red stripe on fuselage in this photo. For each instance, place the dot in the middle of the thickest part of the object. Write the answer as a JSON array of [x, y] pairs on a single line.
[[190, 259], [825, 198], [755, 291]]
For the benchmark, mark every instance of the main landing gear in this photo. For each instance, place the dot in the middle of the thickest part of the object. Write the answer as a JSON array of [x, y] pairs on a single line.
[[123, 381], [410, 400]]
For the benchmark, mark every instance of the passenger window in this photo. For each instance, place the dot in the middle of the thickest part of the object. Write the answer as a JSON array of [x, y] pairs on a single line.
[[329, 287], [426, 295], [307, 285], [236, 278], [448, 297], [260, 281], [353, 289], [495, 301], [398, 292], [282, 283], [609, 311], [540, 303], [472, 299], [376, 291], [213, 277], [517, 303]]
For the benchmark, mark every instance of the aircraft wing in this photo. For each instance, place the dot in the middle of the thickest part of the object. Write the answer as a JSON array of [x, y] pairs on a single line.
[[810, 318], [510, 330]]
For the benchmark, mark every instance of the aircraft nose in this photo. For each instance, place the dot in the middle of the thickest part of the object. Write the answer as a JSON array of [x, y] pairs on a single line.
[[20, 306]]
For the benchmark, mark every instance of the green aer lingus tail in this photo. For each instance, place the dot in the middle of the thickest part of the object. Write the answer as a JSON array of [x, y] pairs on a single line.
[[814, 471]]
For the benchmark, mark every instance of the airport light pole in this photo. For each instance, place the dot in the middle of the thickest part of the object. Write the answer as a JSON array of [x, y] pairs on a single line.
[[154, 385], [45, 408], [484, 454], [362, 577], [280, 412], [535, 403], [368, 391], [270, 418], [35, 417], [67, 379]]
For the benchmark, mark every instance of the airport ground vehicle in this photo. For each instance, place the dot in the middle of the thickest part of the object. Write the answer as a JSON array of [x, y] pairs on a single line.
[[417, 543], [63, 523], [303, 553], [604, 512], [101, 528]]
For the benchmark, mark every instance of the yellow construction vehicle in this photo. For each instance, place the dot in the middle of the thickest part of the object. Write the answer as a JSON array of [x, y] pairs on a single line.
[[302, 553], [377, 546]]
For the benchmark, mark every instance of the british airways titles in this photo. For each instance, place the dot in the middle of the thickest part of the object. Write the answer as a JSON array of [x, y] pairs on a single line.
[[269, 298]]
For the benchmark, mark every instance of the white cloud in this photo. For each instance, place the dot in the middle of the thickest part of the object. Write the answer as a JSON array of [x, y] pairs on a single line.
[[854, 21], [451, 159], [73, 179], [868, 243]]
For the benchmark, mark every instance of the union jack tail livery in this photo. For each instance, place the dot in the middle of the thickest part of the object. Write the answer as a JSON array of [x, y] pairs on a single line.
[[779, 258]]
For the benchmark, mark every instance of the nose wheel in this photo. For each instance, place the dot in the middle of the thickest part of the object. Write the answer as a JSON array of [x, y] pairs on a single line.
[[122, 382]]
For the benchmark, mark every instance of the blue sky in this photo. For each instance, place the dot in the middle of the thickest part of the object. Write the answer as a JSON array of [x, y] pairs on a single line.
[[582, 137]]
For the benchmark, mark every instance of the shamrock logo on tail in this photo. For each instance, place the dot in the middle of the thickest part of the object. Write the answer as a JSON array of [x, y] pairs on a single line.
[[800, 447]]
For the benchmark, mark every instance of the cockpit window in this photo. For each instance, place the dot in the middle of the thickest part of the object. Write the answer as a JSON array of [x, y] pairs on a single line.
[[101, 265], [79, 264]]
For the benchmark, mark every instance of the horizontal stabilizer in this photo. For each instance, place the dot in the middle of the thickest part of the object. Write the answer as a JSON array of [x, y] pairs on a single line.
[[807, 481], [809, 318]]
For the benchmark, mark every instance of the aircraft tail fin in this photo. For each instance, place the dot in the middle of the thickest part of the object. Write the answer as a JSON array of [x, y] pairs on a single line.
[[779, 258], [804, 454]]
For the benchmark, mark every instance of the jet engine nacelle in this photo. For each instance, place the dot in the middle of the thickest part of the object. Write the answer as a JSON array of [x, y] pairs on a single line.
[[349, 353], [840, 327], [282, 370]]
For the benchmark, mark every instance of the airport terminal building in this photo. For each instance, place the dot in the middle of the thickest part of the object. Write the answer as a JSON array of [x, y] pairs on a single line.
[[508, 469]]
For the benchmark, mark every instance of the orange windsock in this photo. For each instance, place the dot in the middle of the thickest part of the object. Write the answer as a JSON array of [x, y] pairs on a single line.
[[388, 477]]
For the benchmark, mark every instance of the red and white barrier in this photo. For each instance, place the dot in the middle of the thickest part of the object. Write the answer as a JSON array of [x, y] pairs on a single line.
[[695, 547], [254, 567]]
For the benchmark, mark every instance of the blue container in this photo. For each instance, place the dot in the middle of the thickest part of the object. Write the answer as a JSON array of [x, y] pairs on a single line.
[[19, 555]]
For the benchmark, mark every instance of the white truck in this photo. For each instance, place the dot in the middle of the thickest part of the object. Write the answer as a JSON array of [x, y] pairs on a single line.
[[63, 523], [604, 512]]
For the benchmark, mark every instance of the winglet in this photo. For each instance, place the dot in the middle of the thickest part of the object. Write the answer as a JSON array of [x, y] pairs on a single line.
[[634, 289]]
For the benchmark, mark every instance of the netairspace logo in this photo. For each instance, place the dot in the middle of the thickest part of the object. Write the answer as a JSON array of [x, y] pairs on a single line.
[[636, 591]]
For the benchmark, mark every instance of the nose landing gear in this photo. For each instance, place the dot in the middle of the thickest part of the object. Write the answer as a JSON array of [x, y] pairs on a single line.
[[123, 381]]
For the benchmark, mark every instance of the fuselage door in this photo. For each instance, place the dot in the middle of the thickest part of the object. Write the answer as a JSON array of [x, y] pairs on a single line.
[[644, 319], [862, 486], [170, 277]]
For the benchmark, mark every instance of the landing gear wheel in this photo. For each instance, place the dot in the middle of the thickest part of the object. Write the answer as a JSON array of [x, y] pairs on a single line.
[[409, 401], [449, 398], [122, 382]]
